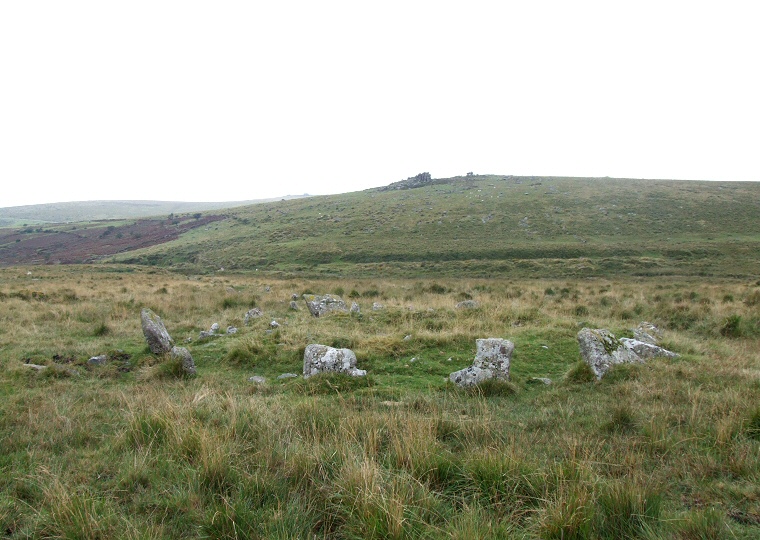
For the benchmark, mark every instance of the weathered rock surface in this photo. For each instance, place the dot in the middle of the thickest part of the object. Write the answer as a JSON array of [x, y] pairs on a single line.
[[257, 379], [159, 340], [648, 333], [214, 328], [287, 376], [355, 309], [251, 314], [491, 362], [98, 360], [323, 359], [377, 306], [601, 350], [294, 305], [183, 355], [274, 324], [467, 304], [231, 330], [321, 305]]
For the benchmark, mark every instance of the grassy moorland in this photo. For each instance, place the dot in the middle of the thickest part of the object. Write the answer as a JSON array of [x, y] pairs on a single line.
[[670, 449], [68, 212], [487, 226]]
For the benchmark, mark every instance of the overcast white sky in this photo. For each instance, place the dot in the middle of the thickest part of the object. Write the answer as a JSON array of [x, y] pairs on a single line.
[[235, 100]]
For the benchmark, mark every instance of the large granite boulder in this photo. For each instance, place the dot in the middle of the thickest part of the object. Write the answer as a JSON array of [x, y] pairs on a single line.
[[320, 305], [159, 340], [601, 350], [323, 359], [181, 354], [491, 362]]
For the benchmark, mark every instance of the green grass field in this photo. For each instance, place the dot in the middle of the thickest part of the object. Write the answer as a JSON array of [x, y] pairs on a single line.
[[669, 449]]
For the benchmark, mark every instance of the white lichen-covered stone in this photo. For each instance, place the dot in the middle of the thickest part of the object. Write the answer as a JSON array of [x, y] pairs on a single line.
[[323, 359], [355, 309], [491, 362], [321, 305], [467, 304], [601, 350], [470, 376], [159, 340]]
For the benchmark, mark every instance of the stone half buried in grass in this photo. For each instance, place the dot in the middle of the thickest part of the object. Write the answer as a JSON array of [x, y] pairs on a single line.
[[491, 362], [182, 356], [321, 305], [601, 350], [323, 359], [159, 340]]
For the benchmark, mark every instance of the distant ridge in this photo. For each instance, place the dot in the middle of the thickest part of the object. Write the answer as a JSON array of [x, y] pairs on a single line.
[[70, 212]]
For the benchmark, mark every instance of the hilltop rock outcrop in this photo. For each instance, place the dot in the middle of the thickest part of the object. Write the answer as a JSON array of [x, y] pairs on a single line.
[[159, 340], [601, 350], [323, 359], [491, 362]]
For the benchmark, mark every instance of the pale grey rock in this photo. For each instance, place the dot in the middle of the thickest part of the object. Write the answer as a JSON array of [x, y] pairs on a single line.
[[321, 305], [204, 335], [648, 333], [407, 337], [274, 324], [470, 376], [267, 289], [36, 367], [492, 361], [294, 296], [159, 340], [288, 376], [467, 304], [251, 314], [99, 360], [257, 379], [323, 359], [601, 350], [231, 330], [647, 350], [377, 306], [540, 380], [214, 328], [294, 306], [355, 309], [183, 355]]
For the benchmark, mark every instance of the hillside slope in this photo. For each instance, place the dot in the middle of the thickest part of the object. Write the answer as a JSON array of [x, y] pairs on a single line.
[[487, 225], [70, 212]]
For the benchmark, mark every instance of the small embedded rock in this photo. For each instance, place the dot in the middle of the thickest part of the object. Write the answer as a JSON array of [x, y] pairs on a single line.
[[98, 360], [251, 314]]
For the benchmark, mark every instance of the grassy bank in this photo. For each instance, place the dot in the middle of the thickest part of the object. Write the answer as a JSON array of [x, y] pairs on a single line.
[[670, 449]]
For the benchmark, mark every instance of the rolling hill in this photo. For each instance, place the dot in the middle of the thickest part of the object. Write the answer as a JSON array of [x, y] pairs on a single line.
[[488, 225], [482, 226], [70, 212]]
